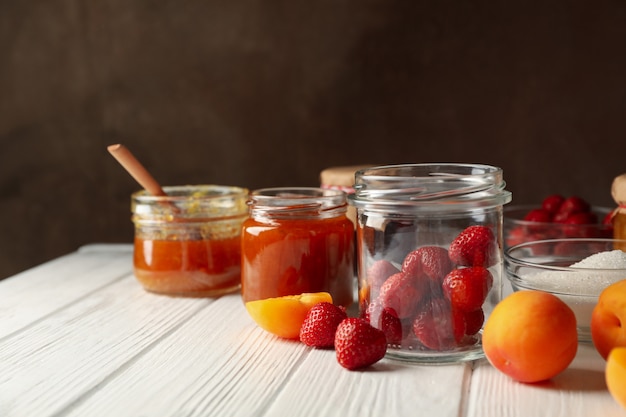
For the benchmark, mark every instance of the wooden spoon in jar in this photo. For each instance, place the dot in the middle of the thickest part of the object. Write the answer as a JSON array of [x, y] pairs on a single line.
[[136, 169]]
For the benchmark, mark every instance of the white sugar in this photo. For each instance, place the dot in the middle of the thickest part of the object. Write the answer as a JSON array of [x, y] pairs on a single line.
[[615, 259], [580, 289]]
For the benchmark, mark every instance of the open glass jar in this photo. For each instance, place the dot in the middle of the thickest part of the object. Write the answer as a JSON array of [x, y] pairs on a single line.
[[188, 243], [298, 240], [429, 250]]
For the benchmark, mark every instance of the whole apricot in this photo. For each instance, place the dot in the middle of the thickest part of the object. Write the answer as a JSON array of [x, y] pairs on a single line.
[[608, 319], [615, 374], [531, 336]]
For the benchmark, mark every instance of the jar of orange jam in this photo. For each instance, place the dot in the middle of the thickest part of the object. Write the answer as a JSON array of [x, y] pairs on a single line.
[[298, 240], [188, 243]]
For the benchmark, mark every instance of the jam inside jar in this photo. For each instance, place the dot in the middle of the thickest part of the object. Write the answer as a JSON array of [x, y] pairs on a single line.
[[298, 240], [188, 243]]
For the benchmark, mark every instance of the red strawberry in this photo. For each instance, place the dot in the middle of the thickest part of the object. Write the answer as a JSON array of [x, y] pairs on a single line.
[[516, 236], [430, 262], [538, 215], [474, 246], [391, 325], [467, 288], [436, 327], [581, 224], [552, 203], [412, 264], [379, 272], [570, 206], [358, 344], [473, 321], [401, 294], [320, 324], [608, 218], [582, 218]]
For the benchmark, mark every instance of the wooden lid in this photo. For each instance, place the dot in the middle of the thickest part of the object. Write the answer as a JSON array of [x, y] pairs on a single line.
[[340, 177], [618, 189]]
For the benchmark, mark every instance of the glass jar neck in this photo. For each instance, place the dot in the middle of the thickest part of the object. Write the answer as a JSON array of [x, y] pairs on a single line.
[[285, 203], [436, 188], [190, 203]]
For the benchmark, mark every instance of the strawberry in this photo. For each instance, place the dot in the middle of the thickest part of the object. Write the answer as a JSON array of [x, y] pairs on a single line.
[[516, 236], [358, 344], [473, 321], [320, 324], [379, 272], [581, 225], [391, 325], [570, 206], [467, 288], [474, 246], [430, 262], [385, 319], [552, 203], [436, 327], [400, 293], [538, 215]]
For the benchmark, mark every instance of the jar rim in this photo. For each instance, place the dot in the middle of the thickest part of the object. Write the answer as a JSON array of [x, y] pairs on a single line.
[[183, 192], [297, 201], [430, 186]]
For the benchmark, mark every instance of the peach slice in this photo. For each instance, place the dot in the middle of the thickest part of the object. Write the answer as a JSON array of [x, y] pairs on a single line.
[[283, 316], [615, 374]]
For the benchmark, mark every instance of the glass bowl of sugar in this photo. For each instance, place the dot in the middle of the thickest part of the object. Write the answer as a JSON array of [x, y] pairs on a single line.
[[575, 270]]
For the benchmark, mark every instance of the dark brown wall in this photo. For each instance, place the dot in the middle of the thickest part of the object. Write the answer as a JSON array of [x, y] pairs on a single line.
[[267, 93]]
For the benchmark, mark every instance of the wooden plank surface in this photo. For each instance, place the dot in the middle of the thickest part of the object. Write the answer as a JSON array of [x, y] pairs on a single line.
[[82, 338], [578, 391], [40, 291]]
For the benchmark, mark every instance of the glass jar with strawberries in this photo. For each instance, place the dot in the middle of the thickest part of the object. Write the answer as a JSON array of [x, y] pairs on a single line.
[[557, 217], [430, 256]]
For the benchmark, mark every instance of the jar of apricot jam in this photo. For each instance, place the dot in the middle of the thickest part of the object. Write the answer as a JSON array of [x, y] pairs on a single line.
[[429, 255], [298, 240], [188, 243], [618, 191]]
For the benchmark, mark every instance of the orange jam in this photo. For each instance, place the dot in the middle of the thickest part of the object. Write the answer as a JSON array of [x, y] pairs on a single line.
[[292, 253], [188, 243], [192, 267]]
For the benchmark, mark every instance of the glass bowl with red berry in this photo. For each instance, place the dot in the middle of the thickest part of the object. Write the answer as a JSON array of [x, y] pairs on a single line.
[[576, 270], [557, 217]]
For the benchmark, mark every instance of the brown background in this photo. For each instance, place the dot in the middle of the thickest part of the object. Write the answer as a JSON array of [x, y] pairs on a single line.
[[267, 93]]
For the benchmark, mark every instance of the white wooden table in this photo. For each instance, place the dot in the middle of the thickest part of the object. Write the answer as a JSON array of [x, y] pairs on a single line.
[[80, 337]]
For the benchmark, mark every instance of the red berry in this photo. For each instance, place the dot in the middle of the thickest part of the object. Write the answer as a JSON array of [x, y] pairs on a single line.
[[401, 294], [385, 319], [516, 236], [552, 203], [474, 246], [467, 288], [428, 262], [582, 218], [608, 218], [538, 215], [473, 321], [570, 206], [436, 327], [318, 328], [391, 325], [379, 272], [358, 344]]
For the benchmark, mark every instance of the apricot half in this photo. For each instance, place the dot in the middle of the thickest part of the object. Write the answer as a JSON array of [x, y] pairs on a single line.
[[608, 320], [531, 336], [283, 316], [615, 374]]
